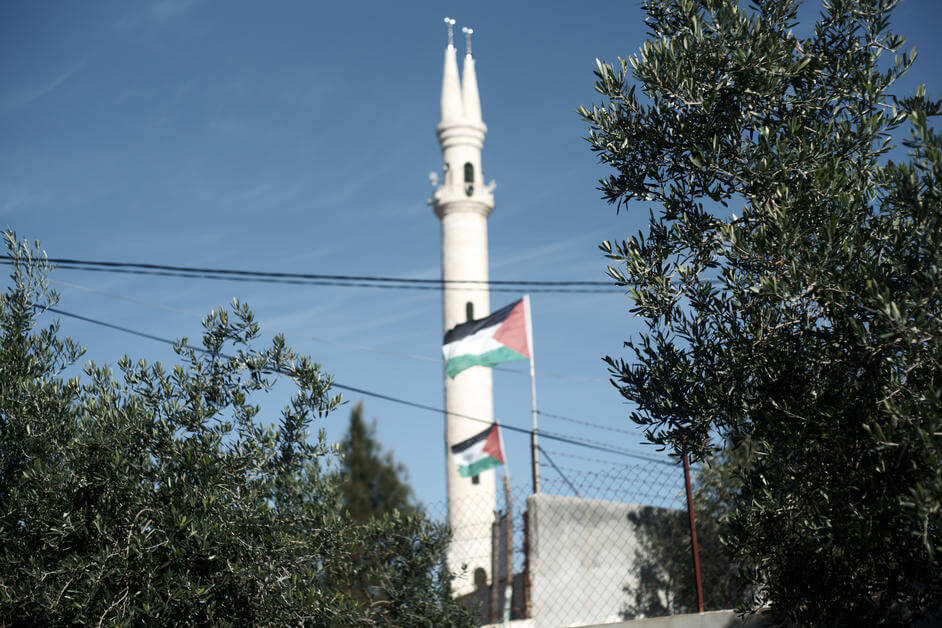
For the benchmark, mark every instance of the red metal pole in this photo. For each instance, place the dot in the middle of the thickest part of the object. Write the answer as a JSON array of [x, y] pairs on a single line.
[[693, 534]]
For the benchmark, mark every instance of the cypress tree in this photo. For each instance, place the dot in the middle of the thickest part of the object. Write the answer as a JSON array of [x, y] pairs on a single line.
[[373, 483]]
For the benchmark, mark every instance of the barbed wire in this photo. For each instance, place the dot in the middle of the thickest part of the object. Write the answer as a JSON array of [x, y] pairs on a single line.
[[586, 423]]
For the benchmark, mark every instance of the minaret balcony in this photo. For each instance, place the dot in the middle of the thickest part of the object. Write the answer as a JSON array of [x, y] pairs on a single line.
[[450, 198]]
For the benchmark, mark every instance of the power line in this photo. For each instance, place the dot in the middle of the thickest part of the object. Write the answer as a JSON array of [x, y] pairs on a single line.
[[121, 297], [332, 283], [338, 343], [381, 351], [547, 435], [370, 281]]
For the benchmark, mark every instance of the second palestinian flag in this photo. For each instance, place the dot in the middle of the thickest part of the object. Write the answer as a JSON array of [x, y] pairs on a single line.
[[500, 337], [479, 453]]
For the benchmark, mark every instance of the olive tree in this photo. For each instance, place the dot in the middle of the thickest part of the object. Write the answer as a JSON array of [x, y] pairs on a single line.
[[789, 283], [172, 495]]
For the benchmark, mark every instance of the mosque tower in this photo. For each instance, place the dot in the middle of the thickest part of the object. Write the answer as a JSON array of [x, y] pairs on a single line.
[[463, 202]]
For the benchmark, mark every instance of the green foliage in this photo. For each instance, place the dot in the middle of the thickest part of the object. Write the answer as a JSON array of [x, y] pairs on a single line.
[[372, 483], [162, 496], [808, 321], [371, 492], [663, 564]]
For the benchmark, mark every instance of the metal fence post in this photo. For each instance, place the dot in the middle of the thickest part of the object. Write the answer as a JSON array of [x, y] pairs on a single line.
[[509, 558], [495, 566], [693, 534]]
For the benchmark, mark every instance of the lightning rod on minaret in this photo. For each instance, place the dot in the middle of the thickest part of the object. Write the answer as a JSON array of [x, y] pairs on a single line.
[[451, 31], [467, 39]]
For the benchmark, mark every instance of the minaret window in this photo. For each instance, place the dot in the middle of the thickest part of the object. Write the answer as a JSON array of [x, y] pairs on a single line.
[[480, 577], [469, 178]]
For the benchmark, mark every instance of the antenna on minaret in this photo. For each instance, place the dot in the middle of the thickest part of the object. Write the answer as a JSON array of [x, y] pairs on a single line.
[[451, 31], [467, 39]]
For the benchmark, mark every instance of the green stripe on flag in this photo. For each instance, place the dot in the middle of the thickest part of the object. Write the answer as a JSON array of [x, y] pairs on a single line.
[[479, 466], [491, 358]]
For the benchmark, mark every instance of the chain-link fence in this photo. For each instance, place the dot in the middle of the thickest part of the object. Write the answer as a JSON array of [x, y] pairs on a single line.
[[601, 542]]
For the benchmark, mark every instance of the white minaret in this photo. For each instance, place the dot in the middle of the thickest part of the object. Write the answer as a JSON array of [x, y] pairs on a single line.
[[463, 202]]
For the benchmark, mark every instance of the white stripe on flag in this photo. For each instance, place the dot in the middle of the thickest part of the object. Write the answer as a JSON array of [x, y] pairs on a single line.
[[476, 344], [471, 455]]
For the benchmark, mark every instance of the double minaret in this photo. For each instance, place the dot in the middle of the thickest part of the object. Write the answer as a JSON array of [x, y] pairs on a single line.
[[463, 202]]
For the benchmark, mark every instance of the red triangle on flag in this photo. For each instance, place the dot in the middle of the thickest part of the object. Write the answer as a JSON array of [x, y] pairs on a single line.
[[492, 446], [513, 331]]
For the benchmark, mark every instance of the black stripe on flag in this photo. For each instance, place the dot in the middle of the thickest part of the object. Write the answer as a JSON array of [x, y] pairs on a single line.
[[457, 448], [472, 327]]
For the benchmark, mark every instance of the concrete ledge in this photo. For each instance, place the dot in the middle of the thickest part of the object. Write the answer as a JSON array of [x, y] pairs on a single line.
[[514, 623], [712, 619]]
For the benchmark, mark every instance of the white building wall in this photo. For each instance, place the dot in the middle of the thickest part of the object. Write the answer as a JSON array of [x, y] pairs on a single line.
[[581, 556]]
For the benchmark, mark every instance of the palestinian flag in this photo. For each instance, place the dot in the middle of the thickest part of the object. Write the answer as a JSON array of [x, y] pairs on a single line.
[[480, 452], [503, 336]]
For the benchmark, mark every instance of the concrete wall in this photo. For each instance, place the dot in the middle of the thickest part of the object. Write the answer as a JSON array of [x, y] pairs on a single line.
[[581, 555]]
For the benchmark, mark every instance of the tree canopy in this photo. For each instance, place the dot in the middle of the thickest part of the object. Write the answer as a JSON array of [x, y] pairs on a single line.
[[789, 281], [171, 495], [373, 484]]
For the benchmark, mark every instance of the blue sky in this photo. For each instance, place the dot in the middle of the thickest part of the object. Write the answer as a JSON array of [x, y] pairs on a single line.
[[298, 136]]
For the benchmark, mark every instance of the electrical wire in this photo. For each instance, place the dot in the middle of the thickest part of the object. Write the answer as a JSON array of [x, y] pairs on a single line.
[[374, 350], [571, 440], [338, 343], [370, 281], [121, 297], [370, 349], [335, 284]]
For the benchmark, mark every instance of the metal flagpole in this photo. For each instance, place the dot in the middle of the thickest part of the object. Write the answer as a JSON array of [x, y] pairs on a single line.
[[508, 549], [534, 445], [507, 541], [500, 436]]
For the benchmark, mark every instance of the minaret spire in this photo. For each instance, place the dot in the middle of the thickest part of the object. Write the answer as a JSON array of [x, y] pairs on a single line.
[[469, 95], [452, 109]]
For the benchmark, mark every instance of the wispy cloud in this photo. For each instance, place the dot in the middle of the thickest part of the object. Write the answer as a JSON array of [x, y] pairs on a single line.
[[167, 9], [387, 322], [14, 201], [550, 248], [400, 211], [27, 94], [157, 13]]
